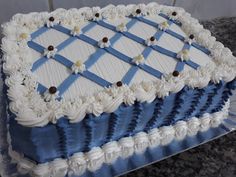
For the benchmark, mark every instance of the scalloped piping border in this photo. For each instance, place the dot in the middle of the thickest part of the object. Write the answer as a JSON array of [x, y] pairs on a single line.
[[40, 113], [124, 148]]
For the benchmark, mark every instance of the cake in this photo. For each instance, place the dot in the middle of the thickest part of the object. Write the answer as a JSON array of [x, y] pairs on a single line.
[[88, 86]]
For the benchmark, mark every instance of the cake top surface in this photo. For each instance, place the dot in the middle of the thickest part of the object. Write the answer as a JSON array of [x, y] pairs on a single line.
[[68, 63]]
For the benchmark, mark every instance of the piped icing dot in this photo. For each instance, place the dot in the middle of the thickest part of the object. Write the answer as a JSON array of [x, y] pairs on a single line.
[[174, 13], [78, 67], [52, 90], [51, 19], [97, 15], [138, 11], [191, 36], [175, 73], [50, 48], [152, 38], [119, 84], [105, 39], [138, 59]]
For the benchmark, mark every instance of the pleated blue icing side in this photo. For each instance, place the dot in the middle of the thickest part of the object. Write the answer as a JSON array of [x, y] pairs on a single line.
[[63, 139]]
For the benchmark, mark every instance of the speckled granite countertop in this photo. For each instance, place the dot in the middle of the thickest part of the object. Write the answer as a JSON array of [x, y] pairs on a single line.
[[214, 159]]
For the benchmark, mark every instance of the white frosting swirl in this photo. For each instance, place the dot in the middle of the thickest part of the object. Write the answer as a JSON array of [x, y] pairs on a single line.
[[181, 130], [140, 142], [193, 126], [95, 158], [127, 146], [111, 152], [167, 134]]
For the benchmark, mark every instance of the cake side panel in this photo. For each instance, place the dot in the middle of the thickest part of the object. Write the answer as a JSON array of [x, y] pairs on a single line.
[[64, 139]]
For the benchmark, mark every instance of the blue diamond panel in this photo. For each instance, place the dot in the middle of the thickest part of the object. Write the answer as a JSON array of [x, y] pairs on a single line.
[[93, 58]]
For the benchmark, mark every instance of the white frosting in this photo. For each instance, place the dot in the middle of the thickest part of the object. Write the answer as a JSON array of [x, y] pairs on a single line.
[[79, 162], [102, 44], [163, 26], [183, 55], [149, 42], [18, 61], [78, 68], [138, 59], [193, 126], [50, 54], [49, 96], [121, 27]]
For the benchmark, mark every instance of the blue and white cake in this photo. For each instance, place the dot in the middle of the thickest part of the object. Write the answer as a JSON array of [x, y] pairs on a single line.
[[88, 86]]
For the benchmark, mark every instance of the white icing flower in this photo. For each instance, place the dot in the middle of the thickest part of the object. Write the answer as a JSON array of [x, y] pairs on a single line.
[[104, 43], [138, 59], [24, 37], [51, 22], [121, 27], [78, 67], [189, 39], [193, 126], [127, 147], [75, 31], [111, 152], [173, 15], [51, 94], [151, 41], [95, 159], [50, 52], [183, 55], [96, 13], [163, 26]]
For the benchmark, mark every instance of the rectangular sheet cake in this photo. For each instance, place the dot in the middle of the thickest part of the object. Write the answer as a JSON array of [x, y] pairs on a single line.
[[88, 86]]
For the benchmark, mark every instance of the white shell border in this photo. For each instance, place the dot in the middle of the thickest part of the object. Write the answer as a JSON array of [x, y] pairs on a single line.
[[32, 110], [124, 148]]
